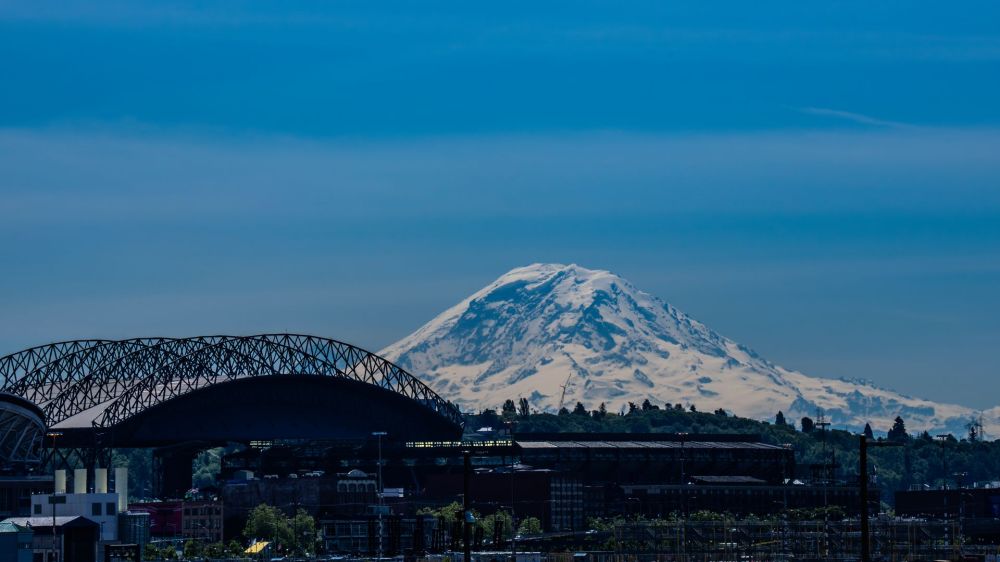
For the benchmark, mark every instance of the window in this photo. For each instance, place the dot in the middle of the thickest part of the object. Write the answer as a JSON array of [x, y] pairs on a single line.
[[95, 508], [38, 508], [109, 508]]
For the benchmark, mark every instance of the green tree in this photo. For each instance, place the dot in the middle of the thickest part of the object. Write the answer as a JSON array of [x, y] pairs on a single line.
[[530, 526], [150, 552], [269, 524], [303, 529], [602, 411], [449, 513], [206, 466], [140, 470], [868, 433], [234, 549], [580, 409], [192, 549], [807, 424], [973, 428], [215, 550], [706, 515], [508, 410], [898, 431], [779, 419], [499, 521], [523, 408]]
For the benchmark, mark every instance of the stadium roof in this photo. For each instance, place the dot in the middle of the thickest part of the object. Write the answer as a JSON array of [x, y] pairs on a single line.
[[101, 384]]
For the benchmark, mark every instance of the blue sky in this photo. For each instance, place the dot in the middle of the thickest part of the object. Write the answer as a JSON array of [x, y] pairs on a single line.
[[816, 180]]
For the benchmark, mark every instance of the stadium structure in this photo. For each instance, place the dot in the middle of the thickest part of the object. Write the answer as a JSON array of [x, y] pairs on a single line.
[[182, 395]]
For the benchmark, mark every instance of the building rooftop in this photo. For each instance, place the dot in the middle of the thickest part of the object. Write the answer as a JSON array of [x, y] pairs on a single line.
[[10, 527], [727, 480], [616, 437], [46, 522], [547, 444]]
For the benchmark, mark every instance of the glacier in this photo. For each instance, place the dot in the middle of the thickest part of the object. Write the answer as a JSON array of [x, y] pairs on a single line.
[[546, 330]]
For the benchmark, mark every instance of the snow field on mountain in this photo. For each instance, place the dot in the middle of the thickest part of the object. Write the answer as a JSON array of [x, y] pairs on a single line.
[[539, 328]]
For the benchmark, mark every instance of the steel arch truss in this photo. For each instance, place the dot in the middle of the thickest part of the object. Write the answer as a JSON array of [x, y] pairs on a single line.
[[102, 383], [20, 438]]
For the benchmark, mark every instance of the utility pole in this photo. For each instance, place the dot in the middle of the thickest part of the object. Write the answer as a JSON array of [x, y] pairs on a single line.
[[466, 513], [866, 539], [381, 490]]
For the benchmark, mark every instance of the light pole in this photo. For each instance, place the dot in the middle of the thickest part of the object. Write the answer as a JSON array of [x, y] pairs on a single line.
[[381, 505], [467, 519], [52, 499], [513, 470], [684, 505]]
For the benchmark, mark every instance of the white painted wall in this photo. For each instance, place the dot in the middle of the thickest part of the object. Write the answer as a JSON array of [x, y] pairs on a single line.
[[82, 505]]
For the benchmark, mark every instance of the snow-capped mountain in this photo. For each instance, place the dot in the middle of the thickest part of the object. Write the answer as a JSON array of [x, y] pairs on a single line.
[[540, 328]]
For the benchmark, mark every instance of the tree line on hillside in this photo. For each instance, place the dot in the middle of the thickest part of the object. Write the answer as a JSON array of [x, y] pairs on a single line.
[[921, 461]]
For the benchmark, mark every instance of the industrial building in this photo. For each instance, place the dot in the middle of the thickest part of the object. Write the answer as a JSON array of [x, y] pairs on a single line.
[[560, 479], [976, 511]]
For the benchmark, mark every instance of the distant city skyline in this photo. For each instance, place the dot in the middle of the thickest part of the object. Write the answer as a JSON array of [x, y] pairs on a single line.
[[818, 183]]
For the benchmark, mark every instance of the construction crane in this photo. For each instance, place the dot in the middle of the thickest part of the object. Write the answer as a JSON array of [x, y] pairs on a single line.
[[563, 397]]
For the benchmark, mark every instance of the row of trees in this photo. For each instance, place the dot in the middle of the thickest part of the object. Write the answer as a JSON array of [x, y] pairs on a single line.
[[195, 550], [522, 411], [449, 514]]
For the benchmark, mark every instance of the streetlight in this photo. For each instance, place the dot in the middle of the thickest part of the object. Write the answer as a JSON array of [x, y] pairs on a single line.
[[52, 499], [381, 490]]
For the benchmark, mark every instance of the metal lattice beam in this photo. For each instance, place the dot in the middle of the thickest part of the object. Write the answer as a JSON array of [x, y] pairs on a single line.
[[115, 380]]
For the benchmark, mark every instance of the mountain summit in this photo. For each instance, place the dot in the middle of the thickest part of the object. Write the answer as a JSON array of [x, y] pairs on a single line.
[[559, 334]]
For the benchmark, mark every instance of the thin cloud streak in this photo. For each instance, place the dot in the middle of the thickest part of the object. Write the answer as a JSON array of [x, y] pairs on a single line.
[[856, 117]]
